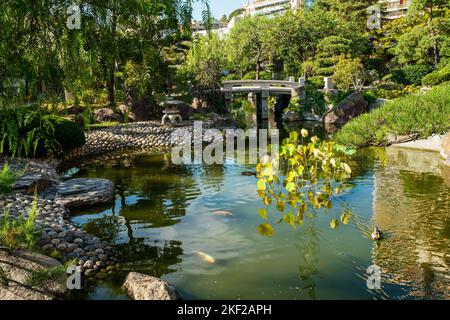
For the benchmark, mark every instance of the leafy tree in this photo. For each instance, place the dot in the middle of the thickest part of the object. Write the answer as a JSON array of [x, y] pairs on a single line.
[[433, 17], [350, 73], [43, 57], [423, 36], [329, 50], [250, 43]]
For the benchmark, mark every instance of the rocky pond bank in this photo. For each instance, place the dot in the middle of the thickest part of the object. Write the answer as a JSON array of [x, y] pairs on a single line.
[[61, 240], [59, 237]]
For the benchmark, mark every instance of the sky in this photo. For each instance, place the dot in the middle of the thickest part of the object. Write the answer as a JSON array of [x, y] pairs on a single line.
[[218, 7]]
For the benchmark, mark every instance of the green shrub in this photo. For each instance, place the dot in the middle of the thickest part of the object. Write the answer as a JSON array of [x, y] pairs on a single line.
[[240, 118], [411, 74], [338, 97], [21, 233], [317, 82], [394, 92], [30, 132], [314, 100], [437, 77], [263, 75], [7, 179], [231, 76], [421, 115], [67, 133], [390, 94], [370, 96], [389, 85]]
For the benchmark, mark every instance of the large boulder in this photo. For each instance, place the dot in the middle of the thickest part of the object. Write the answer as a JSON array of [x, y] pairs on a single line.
[[35, 176], [16, 270], [351, 107], [378, 103], [291, 116], [139, 286], [311, 116], [77, 193], [106, 114]]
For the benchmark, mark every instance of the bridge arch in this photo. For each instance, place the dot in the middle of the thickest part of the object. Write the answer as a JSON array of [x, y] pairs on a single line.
[[263, 89]]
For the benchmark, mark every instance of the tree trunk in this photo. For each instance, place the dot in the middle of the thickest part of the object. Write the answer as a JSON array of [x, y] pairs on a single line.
[[258, 65], [112, 67], [436, 55], [258, 70], [111, 85]]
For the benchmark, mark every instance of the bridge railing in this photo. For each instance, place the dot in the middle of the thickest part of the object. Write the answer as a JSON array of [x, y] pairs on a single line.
[[262, 84]]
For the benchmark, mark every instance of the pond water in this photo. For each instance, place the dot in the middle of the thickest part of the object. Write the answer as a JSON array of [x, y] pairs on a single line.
[[163, 215]]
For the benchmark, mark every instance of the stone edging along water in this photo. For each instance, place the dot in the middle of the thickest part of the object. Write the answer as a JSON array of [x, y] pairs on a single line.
[[54, 200], [134, 136]]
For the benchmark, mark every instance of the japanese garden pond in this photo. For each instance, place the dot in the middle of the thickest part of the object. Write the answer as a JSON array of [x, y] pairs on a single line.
[[163, 216]]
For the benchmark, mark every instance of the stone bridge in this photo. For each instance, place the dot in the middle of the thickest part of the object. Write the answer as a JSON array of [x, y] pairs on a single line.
[[263, 90]]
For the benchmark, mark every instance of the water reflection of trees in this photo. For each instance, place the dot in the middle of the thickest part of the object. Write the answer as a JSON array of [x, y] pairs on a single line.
[[414, 207], [151, 193], [309, 248]]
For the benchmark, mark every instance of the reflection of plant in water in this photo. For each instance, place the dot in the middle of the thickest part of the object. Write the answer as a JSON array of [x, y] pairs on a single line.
[[312, 174], [308, 248], [106, 228], [154, 258]]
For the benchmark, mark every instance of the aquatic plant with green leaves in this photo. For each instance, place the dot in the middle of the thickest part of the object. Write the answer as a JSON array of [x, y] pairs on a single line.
[[301, 179]]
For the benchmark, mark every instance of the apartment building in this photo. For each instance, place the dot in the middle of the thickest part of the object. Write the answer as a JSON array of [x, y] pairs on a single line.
[[271, 7], [394, 9]]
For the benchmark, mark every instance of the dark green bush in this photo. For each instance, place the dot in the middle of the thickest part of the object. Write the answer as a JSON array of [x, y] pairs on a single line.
[[437, 77], [411, 74], [67, 133], [31, 132], [314, 100]]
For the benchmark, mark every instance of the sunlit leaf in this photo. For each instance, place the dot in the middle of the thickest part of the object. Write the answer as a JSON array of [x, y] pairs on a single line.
[[262, 185], [291, 187], [280, 205], [346, 168], [334, 224], [304, 133], [266, 230], [293, 136], [289, 219], [345, 217], [263, 213], [267, 201]]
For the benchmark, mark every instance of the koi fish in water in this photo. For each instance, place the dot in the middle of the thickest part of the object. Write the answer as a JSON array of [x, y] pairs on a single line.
[[205, 257], [223, 213]]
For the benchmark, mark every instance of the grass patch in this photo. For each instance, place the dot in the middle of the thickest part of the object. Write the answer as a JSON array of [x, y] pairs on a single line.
[[7, 180], [421, 115], [103, 125], [21, 233]]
